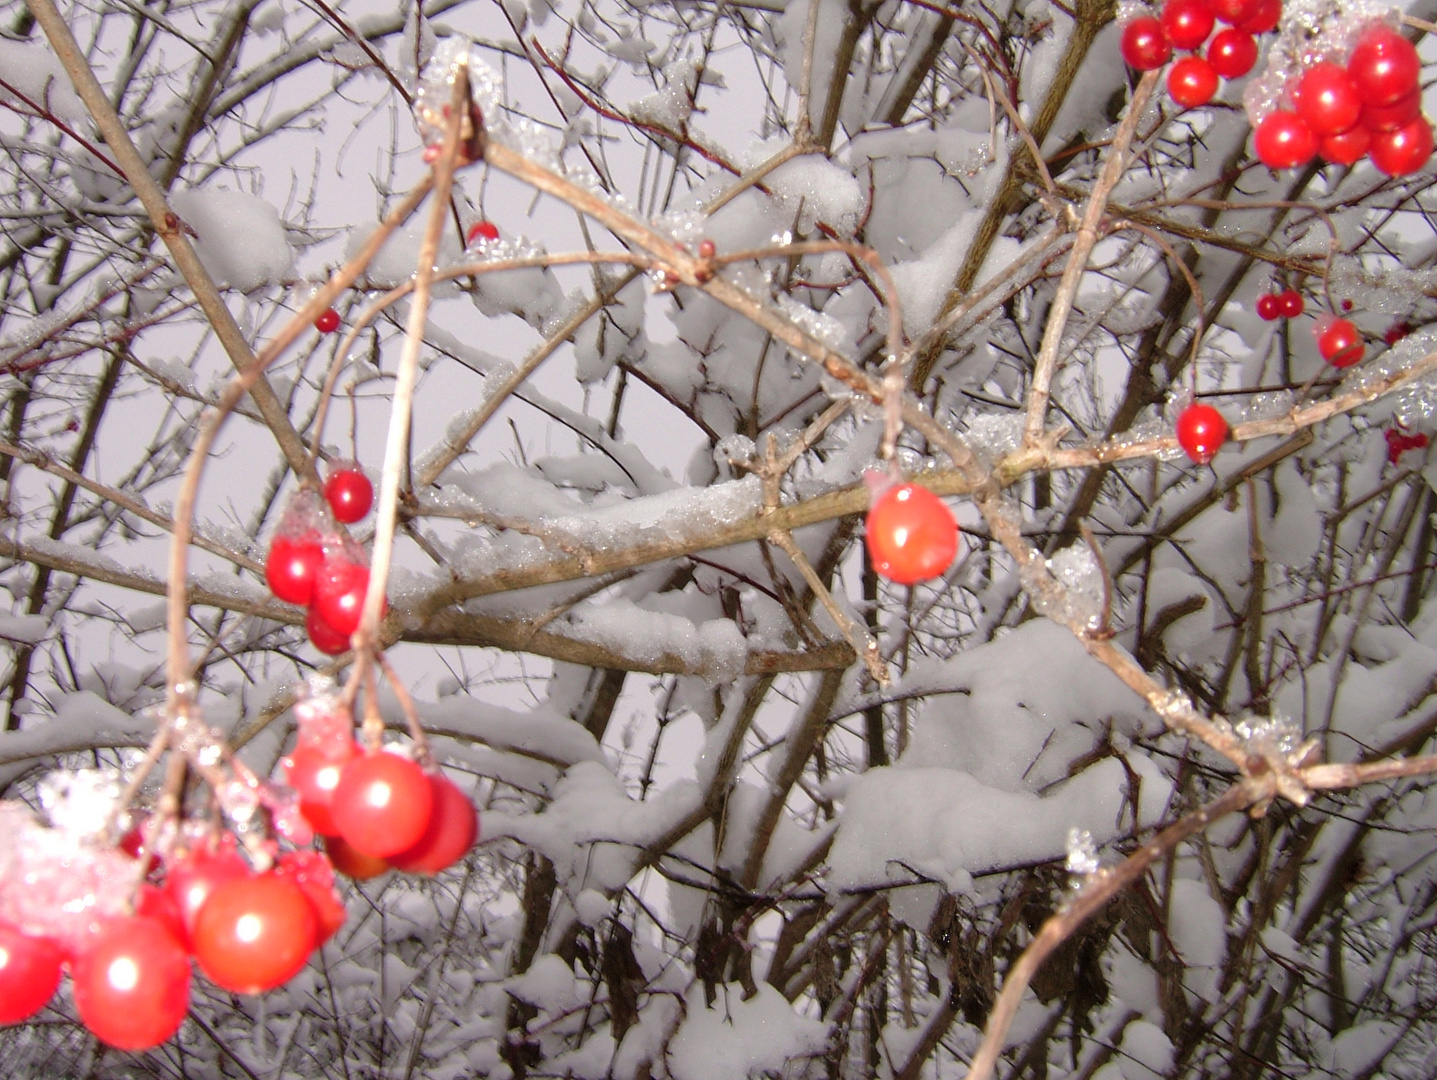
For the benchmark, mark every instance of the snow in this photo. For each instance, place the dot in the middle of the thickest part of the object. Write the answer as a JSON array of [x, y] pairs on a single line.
[[24, 629], [739, 1038], [242, 241], [944, 824], [36, 72]]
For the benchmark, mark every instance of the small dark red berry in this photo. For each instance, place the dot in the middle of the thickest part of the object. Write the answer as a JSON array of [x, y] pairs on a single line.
[[1268, 307], [328, 321], [1187, 23], [1282, 140]]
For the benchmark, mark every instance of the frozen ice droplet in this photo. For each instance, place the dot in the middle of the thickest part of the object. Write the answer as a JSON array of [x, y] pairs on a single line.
[[1082, 853], [80, 804]]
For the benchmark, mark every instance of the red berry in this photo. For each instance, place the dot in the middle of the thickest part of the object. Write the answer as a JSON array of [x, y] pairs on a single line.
[[1326, 99], [313, 772], [314, 874], [1234, 12], [1338, 341], [324, 637], [1144, 46], [159, 904], [1391, 117], [1289, 303], [351, 863], [349, 494], [1232, 53], [339, 595], [1187, 23], [131, 982], [1201, 431], [1404, 151], [482, 230], [293, 565], [1192, 82], [1348, 148], [254, 934], [911, 534], [1384, 66], [707, 249], [382, 804], [452, 830], [29, 973], [1282, 140], [328, 321], [1268, 307], [192, 877], [1396, 332], [1262, 17]]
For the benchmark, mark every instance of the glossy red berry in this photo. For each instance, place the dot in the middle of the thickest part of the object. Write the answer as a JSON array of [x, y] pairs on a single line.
[[1232, 53], [1268, 309], [382, 804], [313, 771], [1192, 82], [482, 231], [254, 934], [707, 249], [349, 494], [1201, 431], [452, 830], [1391, 117], [1348, 148], [159, 904], [1144, 45], [1290, 304], [339, 595], [911, 534], [293, 565], [1384, 66], [1282, 140], [328, 321], [351, 863], [1326, 99], [1403, 151], [191, 878], [29, 973], [1187, 23], [324, 637], [1263, 16], [1338, 341], [131, 982], [314, 874], [1235, 12]]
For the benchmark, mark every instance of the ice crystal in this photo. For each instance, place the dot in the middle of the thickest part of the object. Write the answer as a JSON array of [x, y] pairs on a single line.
[[1082, 853]]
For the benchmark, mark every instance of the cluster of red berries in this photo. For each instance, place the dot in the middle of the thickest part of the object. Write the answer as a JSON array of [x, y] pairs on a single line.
[[1280, 305], [247, 931], [1400, 441], [379, 810], [1148, 42], [1370, 106], [911, 534], [312, 564]]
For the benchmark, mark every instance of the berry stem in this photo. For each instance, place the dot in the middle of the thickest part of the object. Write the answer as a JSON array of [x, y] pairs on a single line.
[[397, 446]]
